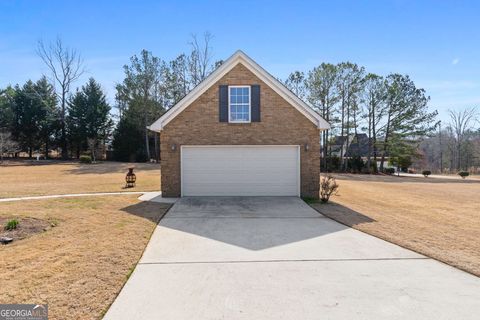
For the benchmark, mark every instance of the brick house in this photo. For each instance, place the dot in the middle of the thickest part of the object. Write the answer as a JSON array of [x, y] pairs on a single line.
[[240, 133]]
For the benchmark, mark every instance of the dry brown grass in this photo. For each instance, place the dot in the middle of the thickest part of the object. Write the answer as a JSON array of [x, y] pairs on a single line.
[[436, 217], [79, 266], [31, 179]]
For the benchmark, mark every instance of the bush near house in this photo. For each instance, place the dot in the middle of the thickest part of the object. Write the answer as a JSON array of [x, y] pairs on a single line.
[[426, 173], [389, 170], [333, 163], [355, 164], [463, 174], [328, 186], [85, 159]]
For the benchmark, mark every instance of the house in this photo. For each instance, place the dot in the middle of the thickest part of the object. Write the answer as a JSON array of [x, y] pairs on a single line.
[[338, 146], [240, 133], [358, 146]]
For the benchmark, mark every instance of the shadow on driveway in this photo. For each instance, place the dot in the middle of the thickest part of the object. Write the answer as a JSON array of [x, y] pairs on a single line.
[[253, 223]]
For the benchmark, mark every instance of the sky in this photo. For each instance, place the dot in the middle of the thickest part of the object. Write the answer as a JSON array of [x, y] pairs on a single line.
[[437, 43]]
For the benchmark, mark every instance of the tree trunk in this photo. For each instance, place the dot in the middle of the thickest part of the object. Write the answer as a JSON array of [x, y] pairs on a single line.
[[348, 132], [155, 134], [46, 149], [374, 139], [147, 146], [342, 131], [385, 142], [441, 148], [369, 162], [63, 138]]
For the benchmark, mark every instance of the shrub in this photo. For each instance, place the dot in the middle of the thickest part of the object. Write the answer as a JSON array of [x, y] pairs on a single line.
[[333, 163], [463, 174], [389, 170], [328, 186], [355, 164], [11, 224], [426, 173], [85, 159]]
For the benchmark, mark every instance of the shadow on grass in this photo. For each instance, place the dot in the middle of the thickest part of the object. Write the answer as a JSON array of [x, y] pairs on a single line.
[[112, 167], [153, 211], [400, 179], [341, 213], [100, 167]]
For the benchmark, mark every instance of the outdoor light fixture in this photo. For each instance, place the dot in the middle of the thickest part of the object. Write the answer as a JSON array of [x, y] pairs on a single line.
[[173, 147], [307, 147]]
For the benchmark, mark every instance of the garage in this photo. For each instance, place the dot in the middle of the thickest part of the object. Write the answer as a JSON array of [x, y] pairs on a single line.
[[260, 170]]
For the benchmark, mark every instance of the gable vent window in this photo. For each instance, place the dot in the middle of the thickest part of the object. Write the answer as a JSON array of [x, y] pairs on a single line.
[[239, 106]]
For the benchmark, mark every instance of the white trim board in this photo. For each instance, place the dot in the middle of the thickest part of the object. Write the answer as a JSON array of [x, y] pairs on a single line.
[[249, 104], [262, 74]]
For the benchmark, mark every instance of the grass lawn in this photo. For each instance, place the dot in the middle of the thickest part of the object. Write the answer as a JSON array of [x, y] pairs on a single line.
[[80, 263], [436, 217], [24, 178]]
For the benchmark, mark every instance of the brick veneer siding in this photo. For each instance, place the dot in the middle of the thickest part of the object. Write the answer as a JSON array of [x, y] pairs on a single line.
[[281, 124]]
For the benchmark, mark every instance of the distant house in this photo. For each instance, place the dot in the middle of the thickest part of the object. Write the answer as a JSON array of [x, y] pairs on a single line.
[[338, 146], [358, 146], [355, 146]]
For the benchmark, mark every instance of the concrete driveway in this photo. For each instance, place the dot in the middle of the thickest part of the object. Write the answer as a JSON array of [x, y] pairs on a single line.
[[276, 258]]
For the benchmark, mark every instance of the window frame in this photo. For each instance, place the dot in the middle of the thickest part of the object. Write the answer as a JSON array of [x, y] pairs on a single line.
[[249, 104]]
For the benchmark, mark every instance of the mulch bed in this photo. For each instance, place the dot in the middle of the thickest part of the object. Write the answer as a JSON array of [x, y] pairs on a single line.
[[26, 227]]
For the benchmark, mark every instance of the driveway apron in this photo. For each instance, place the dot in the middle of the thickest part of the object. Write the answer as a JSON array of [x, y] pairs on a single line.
[[277, 258]]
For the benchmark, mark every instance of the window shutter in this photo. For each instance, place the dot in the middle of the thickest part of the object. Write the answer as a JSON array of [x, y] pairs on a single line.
[[255, 102], [223, 103]]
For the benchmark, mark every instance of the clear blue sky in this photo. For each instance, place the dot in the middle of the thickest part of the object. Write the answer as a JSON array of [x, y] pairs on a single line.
[[436, 42]]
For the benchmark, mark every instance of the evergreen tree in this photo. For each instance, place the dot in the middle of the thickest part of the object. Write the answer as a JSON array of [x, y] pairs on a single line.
[[407, 116], [128, 141], [33, 114], [88, 117], [49, 124]]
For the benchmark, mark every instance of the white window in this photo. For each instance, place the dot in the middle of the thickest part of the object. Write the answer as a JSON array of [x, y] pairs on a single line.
[[239, 108]]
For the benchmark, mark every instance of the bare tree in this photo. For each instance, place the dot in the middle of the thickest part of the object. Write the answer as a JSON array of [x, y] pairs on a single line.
[[200, 57], [92, 145], [66, 66], [461, 122]]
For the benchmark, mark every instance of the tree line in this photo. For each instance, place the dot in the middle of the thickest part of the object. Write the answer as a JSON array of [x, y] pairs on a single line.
[[47, 114], [454, 146], [31, 119], [390, 109]]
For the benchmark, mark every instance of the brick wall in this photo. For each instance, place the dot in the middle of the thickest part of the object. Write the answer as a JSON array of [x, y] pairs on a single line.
[[281, 124]]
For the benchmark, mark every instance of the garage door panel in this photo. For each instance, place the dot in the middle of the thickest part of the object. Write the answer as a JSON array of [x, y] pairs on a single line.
[[240, 170]]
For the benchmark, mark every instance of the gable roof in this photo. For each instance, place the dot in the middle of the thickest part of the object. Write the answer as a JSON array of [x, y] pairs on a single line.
[[227, 65], [358, 146]]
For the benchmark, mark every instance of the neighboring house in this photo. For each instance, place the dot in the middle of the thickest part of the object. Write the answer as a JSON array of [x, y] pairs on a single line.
[[240, 133], [338, 146], [355, 146], [358, 146]]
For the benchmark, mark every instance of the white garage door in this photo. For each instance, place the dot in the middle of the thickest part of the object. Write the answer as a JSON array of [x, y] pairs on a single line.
[[240, 170]]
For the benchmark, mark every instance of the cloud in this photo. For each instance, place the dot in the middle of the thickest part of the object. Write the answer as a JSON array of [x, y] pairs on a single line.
[[455, 61]]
